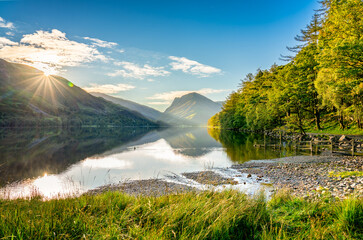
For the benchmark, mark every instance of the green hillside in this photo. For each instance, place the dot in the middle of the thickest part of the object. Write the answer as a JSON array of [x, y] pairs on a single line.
[[28, 98]]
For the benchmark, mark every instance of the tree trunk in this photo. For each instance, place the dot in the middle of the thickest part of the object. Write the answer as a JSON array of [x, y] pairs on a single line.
[[317, 119], [341, 121], [300, 123]]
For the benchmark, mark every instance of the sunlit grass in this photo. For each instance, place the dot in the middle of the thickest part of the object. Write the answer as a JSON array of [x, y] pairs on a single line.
[[207, 215], [332, 127], [346, 174]]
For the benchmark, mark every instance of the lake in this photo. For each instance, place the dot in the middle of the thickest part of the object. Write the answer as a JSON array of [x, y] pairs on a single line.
[[56, 162]]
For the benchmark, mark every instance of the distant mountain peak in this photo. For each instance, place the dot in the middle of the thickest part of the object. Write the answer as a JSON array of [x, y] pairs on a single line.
[[193, 95], [193, 107]]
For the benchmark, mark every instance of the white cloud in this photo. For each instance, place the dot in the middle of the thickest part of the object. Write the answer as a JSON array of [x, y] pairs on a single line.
[[101, 43], [10, 33], [50, 51], [6, 42], [108, 88], [192, 67], [167, 97], [5, 24], [132, 70]]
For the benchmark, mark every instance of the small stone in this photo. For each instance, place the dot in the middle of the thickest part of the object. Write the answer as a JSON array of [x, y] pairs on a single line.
[[344, 138]]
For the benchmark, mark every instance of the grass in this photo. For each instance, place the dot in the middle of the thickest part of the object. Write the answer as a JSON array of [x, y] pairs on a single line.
[[331, 127], [207, 215], [346, 174]]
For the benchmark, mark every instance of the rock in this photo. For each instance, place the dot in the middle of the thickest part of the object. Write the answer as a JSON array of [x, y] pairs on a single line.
[[249, 175], [344, 138]]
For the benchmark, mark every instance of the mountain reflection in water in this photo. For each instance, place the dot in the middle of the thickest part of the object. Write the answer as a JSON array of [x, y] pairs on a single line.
[[56, 161]]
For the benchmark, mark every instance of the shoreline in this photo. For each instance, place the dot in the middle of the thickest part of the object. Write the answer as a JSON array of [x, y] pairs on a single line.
[[303, 176], [307, 176]]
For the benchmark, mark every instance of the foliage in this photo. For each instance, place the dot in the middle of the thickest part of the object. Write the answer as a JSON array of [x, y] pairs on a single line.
[[324, 80]]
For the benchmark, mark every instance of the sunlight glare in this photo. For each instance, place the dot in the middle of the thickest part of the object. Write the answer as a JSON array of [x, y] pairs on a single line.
[[46, 68], [48, 71], [108, 163]]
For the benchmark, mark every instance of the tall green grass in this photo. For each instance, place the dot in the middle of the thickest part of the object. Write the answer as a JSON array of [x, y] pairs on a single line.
[[207, 215]]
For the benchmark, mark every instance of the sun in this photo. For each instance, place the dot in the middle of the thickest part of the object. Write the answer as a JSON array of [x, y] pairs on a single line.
[[47, 73], [46, 68]]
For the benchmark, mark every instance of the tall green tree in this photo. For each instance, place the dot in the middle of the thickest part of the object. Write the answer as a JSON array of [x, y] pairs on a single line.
[[341, 60]]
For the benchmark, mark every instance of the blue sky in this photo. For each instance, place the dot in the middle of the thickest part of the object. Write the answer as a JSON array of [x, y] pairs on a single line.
[[151, 51]]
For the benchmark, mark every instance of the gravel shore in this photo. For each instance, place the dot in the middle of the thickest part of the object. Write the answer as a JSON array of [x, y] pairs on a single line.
[[149, 187], [209, 178], [310, 175]]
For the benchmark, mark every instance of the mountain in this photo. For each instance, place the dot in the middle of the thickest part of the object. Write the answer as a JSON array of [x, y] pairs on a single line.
[[146, 111], [28, 98], [194, 108]]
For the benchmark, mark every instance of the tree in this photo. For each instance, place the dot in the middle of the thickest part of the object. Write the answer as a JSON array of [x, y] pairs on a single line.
[[341, 60]]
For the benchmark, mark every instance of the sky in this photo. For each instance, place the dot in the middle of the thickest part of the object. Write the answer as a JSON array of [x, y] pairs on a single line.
[[151, 51]]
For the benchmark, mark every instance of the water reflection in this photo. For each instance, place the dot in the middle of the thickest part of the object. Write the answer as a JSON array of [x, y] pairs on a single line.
[[241, 147], [58, 162], [194, 142], [29, 153]]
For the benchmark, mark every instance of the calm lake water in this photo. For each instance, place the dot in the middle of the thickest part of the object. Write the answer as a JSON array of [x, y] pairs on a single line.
[[54, 162]]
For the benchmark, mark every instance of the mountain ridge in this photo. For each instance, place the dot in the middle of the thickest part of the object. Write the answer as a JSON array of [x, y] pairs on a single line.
[[28, 97], [146, 111], [192, 109]]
